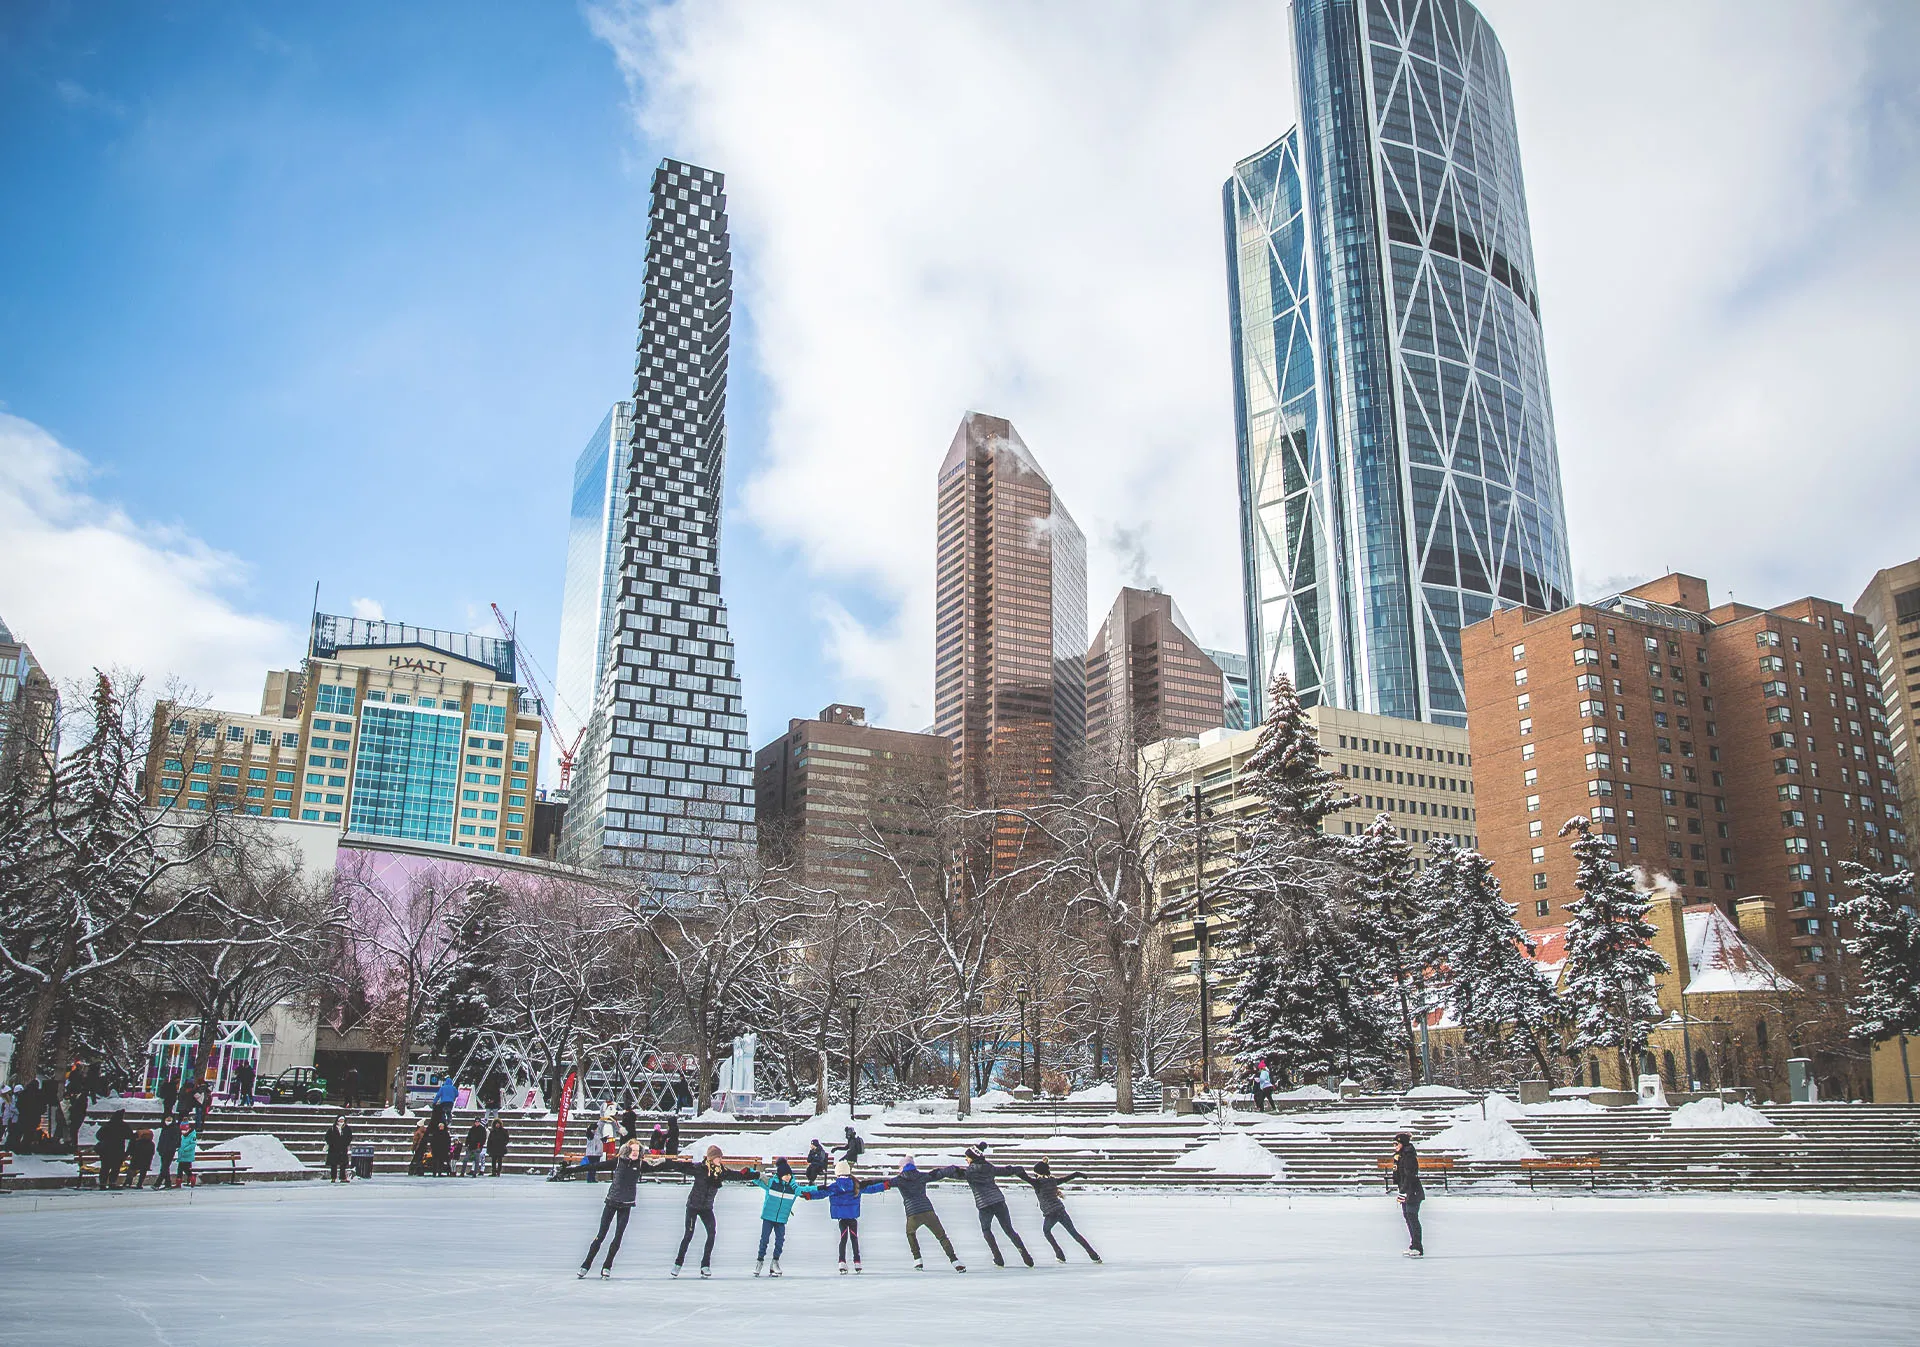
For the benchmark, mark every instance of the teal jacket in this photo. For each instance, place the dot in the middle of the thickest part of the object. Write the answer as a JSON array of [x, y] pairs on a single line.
[[781, 1195], [189, 1144]]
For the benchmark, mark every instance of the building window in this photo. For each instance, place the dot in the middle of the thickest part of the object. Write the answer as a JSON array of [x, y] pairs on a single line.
[[1540, 908]]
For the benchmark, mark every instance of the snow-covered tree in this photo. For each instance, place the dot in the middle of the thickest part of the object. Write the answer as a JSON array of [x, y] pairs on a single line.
[[1308, 1002], [1470, 938], [1608, 982], [472, 997], [1885, 943], [1384, 920]]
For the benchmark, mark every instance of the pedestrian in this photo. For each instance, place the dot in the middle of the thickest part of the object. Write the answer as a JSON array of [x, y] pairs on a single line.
[[843, 1204], [818, 1161], [443, 1100], [169, 1091], [75, 1093], [110, 1145], [912, 1183], [1262, 1086], [622, 1190], [9, 1112], [350, 1087], [1053, 1208], [673, 1134], [707, 1177], [497, 1144], [139, 1157], [990, 1202], [854, 1146], [774, 1211], [189, 1147], [418, 1163], [476, 1152], [1406, 1182], [657, 1142], [243, 1083], [169, 1145], [439, 1146], [339, 1147]]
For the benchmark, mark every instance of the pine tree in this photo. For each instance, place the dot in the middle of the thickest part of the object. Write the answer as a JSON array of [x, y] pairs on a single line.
[[1470, 937], [473, 997], [1384, 873], [1608, 982], [1308, 1003], [1285, 769], [1885, 940]]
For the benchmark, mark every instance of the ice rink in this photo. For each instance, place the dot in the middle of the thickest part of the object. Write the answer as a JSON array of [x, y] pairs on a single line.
[[413, 1260]]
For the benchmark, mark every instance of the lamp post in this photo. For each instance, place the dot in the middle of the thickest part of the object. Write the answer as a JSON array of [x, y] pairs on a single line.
[[1686, 1040], [1020, 995], [1200, 935], [853, 1055]]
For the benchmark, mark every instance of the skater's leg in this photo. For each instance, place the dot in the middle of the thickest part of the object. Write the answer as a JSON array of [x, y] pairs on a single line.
[[940, 1233], [1012, 1234], [986, 1230], [1046, 1229], [766, 1233], [606, 1219], [853, 1233], [1410, 1209], [706, 1254], [619, 1233], [686, 1239], [913, 1235], [779, 1239], [1067, 1221], [845, 1226]]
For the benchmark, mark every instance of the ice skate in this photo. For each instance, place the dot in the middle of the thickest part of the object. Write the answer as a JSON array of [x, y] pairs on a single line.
[[706, 1272], [758, 1265], [919, 1266], [676, 1271], [583, 1273], [606, 1274], [959, 1266], [774, 1271], [856, 1269], [843, 1269], [1414, 1253]]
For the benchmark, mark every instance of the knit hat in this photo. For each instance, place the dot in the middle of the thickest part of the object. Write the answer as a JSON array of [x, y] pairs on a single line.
[[842, 1169], [1042, 1167], [782, 1168]]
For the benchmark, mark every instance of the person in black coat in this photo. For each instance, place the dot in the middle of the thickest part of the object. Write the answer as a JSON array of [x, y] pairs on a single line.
[[169, 1147], [243, 1083], [339, 1148], [622, 1191], [818, 1161], [989, 1202], [139, 1157], [673, 1134], [169, 1091], [77, 1098], [1406, 1182], [475, 1154], [439, 1144], [110, 1143], [1053, 1207], [497, 1145], [707, 1177], [855, 1144], [657, 1143]]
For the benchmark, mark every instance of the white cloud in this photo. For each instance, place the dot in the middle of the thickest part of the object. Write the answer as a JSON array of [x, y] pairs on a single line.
[[371, 609], [87, 586], [1015, 208]]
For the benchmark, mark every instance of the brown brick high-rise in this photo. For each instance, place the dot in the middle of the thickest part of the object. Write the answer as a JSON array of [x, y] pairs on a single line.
[[1148, 678]]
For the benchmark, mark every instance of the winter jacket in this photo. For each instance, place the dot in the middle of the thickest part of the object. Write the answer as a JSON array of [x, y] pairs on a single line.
[[781, 1195], [447, 1093], [856, 1144], [818, 1162], [1406, 1174], [980, 1177], [140, 1151], [1046, 1188], [338, 1139], [497, 1142], [112, 1137], [625, 1185], [706, 1180], [169, 1138], [843, 1196], [189, 1146], [912, 1184], [476, 1138]]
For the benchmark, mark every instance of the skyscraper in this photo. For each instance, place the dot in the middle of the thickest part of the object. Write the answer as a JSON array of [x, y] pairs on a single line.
[[1239, 697], [663, 779], [590, 605], [1010, 635], [29, 713], [1148, 679], [1398, 474]]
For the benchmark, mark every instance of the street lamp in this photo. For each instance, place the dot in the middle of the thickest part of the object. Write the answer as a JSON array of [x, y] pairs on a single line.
[[1020, 995], [853, 1054]]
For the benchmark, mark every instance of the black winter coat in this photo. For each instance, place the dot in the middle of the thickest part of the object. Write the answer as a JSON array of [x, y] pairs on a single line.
[[980, 1177], [1406, 1174], [706, 1179], [1046, 1188], [338, 1140]]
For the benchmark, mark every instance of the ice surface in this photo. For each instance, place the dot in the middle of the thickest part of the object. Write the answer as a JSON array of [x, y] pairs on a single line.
[[397, 1261], [1488, 1139], [1713, 1113], [1234, 1153]]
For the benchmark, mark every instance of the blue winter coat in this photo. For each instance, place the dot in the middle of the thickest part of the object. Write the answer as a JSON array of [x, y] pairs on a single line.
[[844, 1196], [781, 1194], [447, 1093]]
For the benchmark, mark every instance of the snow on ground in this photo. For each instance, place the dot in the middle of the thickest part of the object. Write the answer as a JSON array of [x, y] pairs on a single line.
[[1713, 1113], [1234, 1153], [389, 1261], [261, 1153], [1482, 1139], [1103, 1093], [1445, 1092], [1308, 1092]]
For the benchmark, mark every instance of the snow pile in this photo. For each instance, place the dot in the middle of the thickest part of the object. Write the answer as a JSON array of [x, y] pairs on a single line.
[[992, 1099], [1713, 1113], [713, 1115], [1437, 1092], [924, 1108], [263, 1153], [1565, 1106], [1489, 1139], [1103, 1093], [1494, 1106], [1234, 1153], [1307, 1093]]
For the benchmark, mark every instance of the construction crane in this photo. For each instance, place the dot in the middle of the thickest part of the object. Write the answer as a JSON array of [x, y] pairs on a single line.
[[545, 691]]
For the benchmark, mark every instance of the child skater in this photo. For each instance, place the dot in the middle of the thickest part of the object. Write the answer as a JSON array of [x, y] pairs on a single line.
[[782, 1192], [844, 1205], [1053, 1207], [618, 1207], [912, 1182], [707, 1177]]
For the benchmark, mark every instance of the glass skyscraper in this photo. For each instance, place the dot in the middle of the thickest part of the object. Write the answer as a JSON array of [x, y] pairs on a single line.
[[596, 523], [1398, 474], [664, 780]]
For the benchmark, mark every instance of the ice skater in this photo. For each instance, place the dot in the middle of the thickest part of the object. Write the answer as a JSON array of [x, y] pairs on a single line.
[[844, 1206], [781, 1192], [912, 1183], [339, 1135], [1053, 1207], [990, 1202], [707, 1177], [1406, 1179], [622, 1190]]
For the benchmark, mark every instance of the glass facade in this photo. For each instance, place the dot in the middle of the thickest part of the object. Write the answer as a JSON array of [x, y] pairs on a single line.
[[663, 779], [589, 607], [406, 772], [1239, 699], [1399, 476]]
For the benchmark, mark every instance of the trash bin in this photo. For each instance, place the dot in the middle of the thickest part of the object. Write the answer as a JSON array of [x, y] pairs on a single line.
[[362, 1157]]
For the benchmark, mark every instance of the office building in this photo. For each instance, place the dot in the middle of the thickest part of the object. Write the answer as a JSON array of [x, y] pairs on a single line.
[[589, 605], [1239, 694], [1148, 679], [832, 788], [1398, 474], [29, 713], [395, 731], [1890, 606], [1740, 751], [663, 782], [1010, 638]]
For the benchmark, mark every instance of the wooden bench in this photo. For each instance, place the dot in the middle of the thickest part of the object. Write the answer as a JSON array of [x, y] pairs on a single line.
[[6, 1158], [1429, 1164], [1564, 1163], [231, 1159]]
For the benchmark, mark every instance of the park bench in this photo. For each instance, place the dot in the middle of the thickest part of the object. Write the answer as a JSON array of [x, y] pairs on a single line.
[[6, 1158], [231, 1159], [1429, 1164], [1563, 1164]]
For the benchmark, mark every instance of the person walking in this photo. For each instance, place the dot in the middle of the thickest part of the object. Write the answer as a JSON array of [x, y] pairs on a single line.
[[476, 1152], [1053, 1207], [1262, 1087], [707, 1177], [818, 1161], [990, 1202], [439, 1148], [497, 1144], [1406, 1180], [243, 1083], [339, 1148], [75, 1094], [657, 1142], [911, 1182], [169, 1146], [139, 1157], [843, 1204], [189, 1147], [623, 1189], [350, 1087], [781, 1193], [169, 1091], [854, 1147], [443, 1101], [417, 1164], [110, 1145]]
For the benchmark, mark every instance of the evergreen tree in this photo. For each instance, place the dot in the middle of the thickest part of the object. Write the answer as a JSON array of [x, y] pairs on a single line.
[[1470, 937], [1608, 983], [1285, 769], [1308, 1003], [1384, 921], [1886, 941], [474, 996]]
